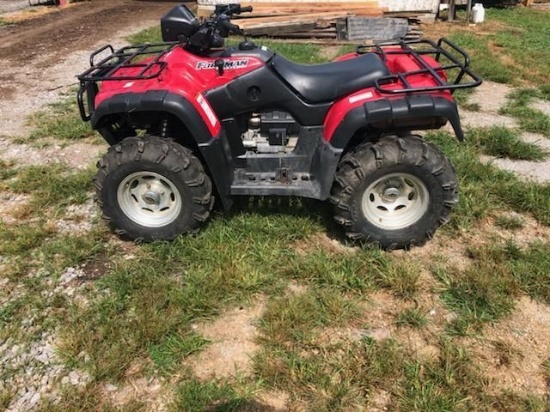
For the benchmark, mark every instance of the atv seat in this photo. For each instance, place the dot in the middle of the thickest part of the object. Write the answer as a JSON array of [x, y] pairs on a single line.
[[326, 82]]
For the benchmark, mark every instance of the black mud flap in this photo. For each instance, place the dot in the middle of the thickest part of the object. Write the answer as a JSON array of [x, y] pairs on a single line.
[[409, 113]]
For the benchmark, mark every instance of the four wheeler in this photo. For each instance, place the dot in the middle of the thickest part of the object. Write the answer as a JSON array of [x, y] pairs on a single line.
[[191, 122]]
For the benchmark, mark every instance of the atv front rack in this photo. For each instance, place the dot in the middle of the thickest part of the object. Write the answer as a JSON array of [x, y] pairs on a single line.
[[453, 72], [141, 62]]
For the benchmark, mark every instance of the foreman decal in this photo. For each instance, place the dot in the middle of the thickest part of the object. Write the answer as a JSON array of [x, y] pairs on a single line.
[[227, 64]]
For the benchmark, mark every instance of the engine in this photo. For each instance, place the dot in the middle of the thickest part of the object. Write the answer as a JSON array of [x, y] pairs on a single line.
[[271, 132]]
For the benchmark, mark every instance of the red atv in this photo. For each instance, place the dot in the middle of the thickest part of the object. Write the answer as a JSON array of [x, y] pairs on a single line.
[[190, 120]]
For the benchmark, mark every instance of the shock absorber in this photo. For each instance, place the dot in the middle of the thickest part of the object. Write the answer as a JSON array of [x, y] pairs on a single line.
[[163, 129]]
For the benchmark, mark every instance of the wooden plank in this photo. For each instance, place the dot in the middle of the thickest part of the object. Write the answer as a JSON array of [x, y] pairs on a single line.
[[360, 28], [339, 5], [280, 31], [299, 18]]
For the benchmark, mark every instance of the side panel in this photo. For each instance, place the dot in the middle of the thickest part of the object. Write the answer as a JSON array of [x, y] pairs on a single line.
[[263, 90]]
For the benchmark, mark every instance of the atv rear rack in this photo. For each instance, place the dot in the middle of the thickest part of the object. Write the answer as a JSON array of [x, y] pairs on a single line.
[[456, 66], [141, 62]]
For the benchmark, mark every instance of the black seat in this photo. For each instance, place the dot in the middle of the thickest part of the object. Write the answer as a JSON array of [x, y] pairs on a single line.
[[329, 81]]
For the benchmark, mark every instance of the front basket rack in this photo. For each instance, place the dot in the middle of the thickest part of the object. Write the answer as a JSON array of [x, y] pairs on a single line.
[[141, 62]]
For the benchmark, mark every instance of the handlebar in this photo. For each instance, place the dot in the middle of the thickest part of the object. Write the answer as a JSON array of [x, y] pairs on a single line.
[[229, 9], [214, 29]]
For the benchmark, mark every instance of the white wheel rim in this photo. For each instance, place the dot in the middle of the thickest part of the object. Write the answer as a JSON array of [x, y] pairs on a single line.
[[149, 199], [395, 201]]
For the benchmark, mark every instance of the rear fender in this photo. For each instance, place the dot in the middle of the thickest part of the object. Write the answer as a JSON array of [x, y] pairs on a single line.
[[384, 115], [212, 147]]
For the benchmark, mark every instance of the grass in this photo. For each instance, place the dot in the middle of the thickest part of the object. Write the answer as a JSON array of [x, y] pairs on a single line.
[[530, 119], [510, 222], [486, 190], [512, 46], [413, 317], [133, 315], [502, 142], [53, 185], [486, 291], [61, 121]]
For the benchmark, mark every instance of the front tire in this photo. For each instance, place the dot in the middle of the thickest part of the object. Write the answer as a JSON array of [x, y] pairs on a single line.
[[152, 189], [395, 192]]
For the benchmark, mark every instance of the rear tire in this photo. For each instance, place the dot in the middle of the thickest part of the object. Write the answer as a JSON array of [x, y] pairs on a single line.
[[152, 189], [395, 192]]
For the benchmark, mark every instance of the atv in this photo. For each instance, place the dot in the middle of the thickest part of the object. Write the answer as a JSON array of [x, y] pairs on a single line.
[[190, 122]]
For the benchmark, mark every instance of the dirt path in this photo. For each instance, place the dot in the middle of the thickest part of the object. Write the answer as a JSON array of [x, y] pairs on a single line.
[[40, 57]]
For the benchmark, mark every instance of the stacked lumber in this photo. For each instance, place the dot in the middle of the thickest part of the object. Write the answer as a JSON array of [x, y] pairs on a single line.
[[297, 19], [319, 20]]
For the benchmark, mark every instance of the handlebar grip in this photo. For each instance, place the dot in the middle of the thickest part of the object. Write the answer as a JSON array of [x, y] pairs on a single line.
[[247, 9]]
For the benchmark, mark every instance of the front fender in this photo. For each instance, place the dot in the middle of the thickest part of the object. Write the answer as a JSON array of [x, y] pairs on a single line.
[[203, 126]]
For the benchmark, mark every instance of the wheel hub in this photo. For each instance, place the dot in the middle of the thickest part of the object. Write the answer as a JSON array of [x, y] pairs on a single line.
[[390, 194], [149, 199], [395, 201]]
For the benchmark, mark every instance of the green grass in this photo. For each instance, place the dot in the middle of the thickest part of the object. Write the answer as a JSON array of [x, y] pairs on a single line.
[[530, 119], [195, 396], [486, 291], [501, 142], [485, 189], [168, 354], [511, 47], [60, 120], [53, 185], [510, 222], [413, 317], [449, 383], [482, 293]]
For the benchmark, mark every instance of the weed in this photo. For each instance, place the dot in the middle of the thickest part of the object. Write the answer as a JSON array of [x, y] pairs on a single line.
[[413, 317], [88, 399], [531, 120], [446, 384], [5, 395], [169, 285], [60, 120], [151, 35], [350, 272], [505, 353], [485, 189], [6, 172], [18, 241], [195, 396], [510, 222], [167, 354], [295, 318], [337, 377], [481, 293], [461, 97], [502, 142], [51, 185]]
